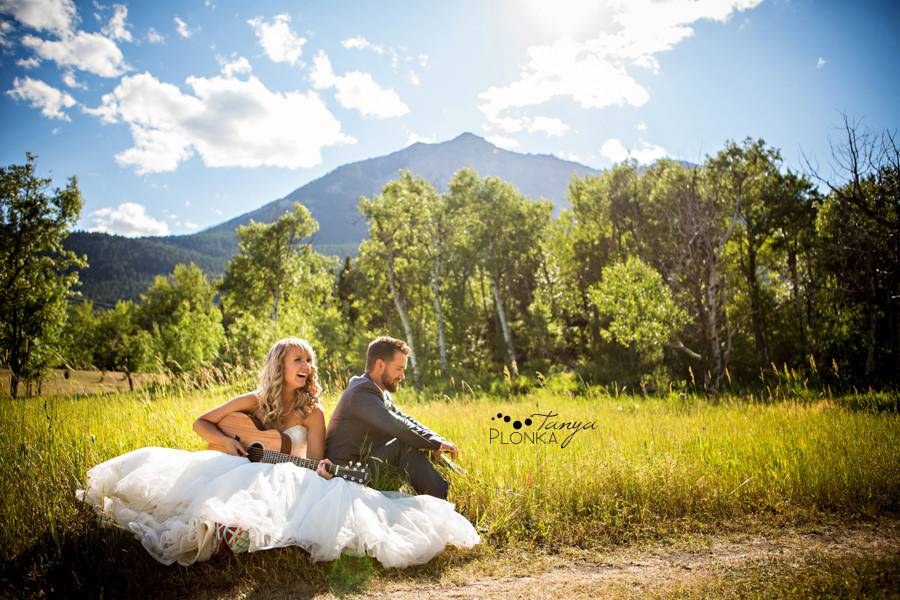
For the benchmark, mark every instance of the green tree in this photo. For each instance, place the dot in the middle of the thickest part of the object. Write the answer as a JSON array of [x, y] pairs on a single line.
[[278, 286], [395, 250], [269, 256], [859, 254], [36, 273], [504, 234], [186, 326], [79, 336], [120, 344], [747, 178], [601, 226], [638, 310], [692, 225]]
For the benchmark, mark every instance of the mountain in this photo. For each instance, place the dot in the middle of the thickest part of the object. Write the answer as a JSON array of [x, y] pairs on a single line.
[[332, 199], [123, 267]]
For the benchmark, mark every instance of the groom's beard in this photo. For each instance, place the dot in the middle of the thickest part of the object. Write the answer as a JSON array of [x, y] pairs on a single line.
[[389, 385]]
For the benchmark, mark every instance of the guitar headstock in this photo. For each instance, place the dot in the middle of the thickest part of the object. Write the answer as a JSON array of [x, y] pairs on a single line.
[[356, 472]]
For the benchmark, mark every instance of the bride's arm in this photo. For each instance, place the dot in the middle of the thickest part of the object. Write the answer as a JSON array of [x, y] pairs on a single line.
[[205, 424], [315, 433]]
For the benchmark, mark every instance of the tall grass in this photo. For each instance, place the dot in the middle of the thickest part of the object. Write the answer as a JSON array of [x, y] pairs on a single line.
[[650, 465]]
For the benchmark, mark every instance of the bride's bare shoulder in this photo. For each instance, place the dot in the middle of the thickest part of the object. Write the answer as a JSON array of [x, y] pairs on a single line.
[[315, 416]]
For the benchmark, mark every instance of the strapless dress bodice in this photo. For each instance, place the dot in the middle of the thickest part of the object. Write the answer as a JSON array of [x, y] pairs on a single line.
[[297, 433]]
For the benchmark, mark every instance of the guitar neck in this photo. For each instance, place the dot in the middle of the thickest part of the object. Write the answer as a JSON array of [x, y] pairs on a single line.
[[271, 456]]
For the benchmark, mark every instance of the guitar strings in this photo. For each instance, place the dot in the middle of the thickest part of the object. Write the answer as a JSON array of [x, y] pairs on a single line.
[[274, 457]]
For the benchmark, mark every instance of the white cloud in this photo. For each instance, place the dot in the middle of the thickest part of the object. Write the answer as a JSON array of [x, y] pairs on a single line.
[[50, 100], [564, 70], [615, 151], [129, 219], [229, 122], [5, 28], [236, 66], [414, 78], [821, 63], [569, 156], [647, 153], [28, 63], [361, 43], [277, 39], [44, 15], [412, 137], [503, 142], [89, 52], [641, 126], [154, 36], [182, 28], [117, 28], [187, 203], [357, 90], [395, 59], [219, 211], [549, 125], [597, 73], [69, 79]]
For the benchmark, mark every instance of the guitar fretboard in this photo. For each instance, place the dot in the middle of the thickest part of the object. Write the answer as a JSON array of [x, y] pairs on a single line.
[[270, 456]]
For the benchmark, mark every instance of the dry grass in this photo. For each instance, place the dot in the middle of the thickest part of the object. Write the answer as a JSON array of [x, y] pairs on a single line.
[[57, 383]]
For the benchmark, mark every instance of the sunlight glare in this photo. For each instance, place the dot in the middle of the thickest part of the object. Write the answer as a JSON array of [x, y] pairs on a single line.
[[565, 17]]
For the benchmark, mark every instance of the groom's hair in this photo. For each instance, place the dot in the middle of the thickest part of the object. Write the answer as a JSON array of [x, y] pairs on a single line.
[[384, 348]]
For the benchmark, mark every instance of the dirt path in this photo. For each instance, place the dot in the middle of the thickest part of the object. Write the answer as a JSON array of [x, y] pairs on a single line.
[[863, 559]]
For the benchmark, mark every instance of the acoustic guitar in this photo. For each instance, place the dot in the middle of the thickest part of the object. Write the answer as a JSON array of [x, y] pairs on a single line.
[[272, 446]]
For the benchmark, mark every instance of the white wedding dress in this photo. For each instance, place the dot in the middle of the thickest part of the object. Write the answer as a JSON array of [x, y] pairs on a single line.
[[172, 500]]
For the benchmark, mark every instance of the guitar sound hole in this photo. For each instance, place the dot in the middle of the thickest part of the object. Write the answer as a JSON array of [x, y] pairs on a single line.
[[255, 452]]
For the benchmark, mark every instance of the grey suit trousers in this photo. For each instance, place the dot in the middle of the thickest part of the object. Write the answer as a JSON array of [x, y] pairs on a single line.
[[413, 464]]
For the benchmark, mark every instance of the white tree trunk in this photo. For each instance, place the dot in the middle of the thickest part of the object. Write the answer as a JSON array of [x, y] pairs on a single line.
[[402, 305], [439, 315], [504, 323]]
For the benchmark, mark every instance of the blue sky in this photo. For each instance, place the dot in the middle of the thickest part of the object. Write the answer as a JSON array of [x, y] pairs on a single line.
[[176, 116]]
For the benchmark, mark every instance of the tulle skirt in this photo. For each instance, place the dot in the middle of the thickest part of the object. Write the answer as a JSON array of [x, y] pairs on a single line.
[[172, 500]]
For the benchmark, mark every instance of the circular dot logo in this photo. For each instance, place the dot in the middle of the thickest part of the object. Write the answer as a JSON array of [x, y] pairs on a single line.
[[517, 424]]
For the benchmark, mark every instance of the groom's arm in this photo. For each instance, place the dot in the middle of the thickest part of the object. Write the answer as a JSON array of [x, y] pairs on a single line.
[[416, 426], [370, 408]]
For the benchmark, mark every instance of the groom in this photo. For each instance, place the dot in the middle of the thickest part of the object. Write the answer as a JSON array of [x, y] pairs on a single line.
[[366, 426]]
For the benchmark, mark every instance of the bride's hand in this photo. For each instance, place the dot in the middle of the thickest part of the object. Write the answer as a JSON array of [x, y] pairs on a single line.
[[233, 447], [321, 469]]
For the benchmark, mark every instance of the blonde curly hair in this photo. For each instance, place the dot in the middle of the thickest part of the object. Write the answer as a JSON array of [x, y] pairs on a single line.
[[271, 382]]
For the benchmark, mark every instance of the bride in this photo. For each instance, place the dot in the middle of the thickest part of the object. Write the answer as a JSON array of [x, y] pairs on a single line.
[[186, 506]]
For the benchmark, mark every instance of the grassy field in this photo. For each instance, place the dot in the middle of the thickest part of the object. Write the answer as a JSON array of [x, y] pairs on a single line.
[[633, 469], [60, 382]]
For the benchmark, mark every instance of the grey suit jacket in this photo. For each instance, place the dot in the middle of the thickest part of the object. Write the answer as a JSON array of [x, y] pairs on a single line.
[[363, 420]]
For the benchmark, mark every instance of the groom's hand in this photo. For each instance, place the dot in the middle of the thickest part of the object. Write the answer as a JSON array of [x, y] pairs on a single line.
[[447, 447]]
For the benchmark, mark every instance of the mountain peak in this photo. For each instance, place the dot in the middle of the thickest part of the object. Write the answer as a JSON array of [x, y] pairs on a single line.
[[469, 138], [467, 135]]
